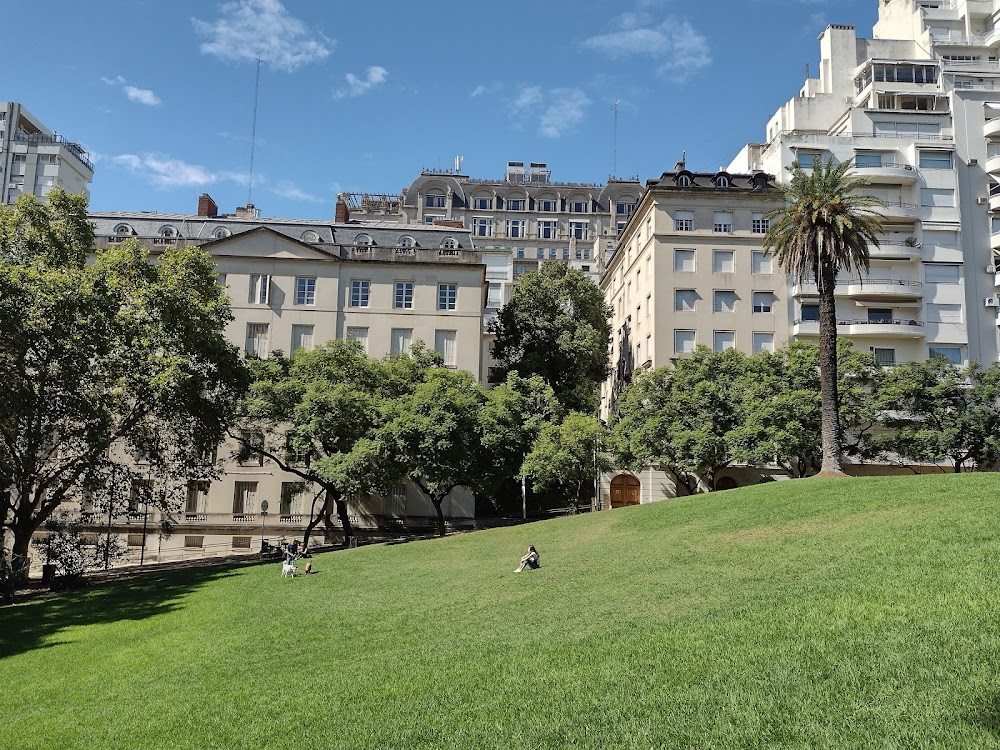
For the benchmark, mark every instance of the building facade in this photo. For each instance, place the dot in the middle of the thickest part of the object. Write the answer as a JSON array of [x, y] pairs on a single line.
[[294, 285], [34, 159], [913, 109]]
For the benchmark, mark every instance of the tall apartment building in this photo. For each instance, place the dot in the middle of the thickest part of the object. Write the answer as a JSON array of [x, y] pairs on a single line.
[[295, 284], [917, 109], [33, 159]]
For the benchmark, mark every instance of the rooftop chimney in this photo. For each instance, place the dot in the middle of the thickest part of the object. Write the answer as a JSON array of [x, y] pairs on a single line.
[[341, 214], [682, 164], [249, 211], [206, 206]]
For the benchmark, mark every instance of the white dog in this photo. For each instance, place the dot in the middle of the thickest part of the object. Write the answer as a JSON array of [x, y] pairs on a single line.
[[288, 569]]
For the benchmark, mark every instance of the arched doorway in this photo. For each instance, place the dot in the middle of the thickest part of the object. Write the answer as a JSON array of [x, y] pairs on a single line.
[[726, 483], [624, 491]]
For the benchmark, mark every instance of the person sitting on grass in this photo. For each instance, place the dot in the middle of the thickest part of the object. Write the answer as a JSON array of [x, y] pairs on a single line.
[[530, 559]]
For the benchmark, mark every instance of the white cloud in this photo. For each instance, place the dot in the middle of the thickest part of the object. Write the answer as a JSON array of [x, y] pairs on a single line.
[[143, 96], [674, 43], [291, 191], [134, 93], [557, 110], [247, 29], [375, 76], [164, 171], [478, 91]]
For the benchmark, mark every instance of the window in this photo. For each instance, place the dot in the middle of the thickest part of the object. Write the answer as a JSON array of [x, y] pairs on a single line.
[[760, 262], [683, 181], [763, 342], [360, 291], [363, 240], [724, 301], [250, 440], [403, 295], [430, 219], [168, 232], [136, 540], [407, 241], [305, 290], [807, 157], [400, 340], [310, 236], [447, 296], [220, 233], [684, 261], [723, 261], [763, 301], [579, 229], [257, 335], [942, 273], [122, 230], [625, 207], [810, 312], [684, 221], [684, 299], [649, 304], [884, 357], [359, 334], [482, 226], [516, 204], [944, 313], [939, 197], [482, 204], [759, 224], [722, 222], [244, 498], [879, 315], [444, 344], [197, 498], [867, 160], [194, 542], [649, 266], [722, 340], [260, 288], [579, 207], [434, 200], [907, 129], [547, 229], [684, 342], [520, 252], [302, 338], [288, 503], [494, 295], [449, 243], [548, 205], [951, 353], [565, 253], [722, 181], [515, 228], [241, 542]]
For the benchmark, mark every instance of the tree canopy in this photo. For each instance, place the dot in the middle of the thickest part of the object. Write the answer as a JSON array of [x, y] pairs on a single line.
[[556, 326]]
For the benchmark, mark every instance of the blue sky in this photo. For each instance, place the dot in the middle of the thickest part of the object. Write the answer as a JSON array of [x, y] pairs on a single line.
[[360, 96]]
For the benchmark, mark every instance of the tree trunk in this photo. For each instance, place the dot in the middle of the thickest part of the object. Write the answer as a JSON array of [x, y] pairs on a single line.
[[315, 518], [828, 370], [345, 520], [438, 502], [19, 553]]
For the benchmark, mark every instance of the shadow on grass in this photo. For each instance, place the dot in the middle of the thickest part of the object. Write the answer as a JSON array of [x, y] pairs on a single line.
[[987, 715], [34, 624]]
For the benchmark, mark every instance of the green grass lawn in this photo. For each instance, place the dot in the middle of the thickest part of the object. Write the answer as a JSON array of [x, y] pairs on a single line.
[[858, 613]]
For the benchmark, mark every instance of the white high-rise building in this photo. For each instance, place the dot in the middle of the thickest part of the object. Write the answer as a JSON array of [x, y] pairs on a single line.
[[34, 159], [917, 108]]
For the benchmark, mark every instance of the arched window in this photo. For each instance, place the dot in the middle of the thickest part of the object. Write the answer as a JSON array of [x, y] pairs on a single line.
[[310, 236], [449, 243], [722, 181], [123, 230], [221, 233], [407, 241], [683, 181], [168, 232], [364, 239]]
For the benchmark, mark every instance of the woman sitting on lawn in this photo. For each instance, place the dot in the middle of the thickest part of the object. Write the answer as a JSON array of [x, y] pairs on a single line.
[[530, 559]]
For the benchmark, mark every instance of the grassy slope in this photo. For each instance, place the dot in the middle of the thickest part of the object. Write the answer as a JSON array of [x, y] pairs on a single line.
[[820, 613]]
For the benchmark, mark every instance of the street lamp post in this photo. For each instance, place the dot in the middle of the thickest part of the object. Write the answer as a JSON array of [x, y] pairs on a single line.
[[263, 515]]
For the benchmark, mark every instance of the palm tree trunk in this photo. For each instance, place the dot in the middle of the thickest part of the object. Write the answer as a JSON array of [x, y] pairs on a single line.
[[828, 369]]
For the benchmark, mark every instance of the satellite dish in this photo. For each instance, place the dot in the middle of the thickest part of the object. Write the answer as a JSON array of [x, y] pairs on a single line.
[[263, 506]]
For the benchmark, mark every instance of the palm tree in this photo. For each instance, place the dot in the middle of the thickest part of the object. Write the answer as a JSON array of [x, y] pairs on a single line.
[[824, 227]]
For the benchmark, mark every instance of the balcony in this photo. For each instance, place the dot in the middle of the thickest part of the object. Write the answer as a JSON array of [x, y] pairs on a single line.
[[887, 289], [993, 165], [806, 328], [995, 240], [895, 250], [804, 289], [899, 211], [992, 128], [889, 173], [994, 201], [47, 138], [244, 517], [864, 328]]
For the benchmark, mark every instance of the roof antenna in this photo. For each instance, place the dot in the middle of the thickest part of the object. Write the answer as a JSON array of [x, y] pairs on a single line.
[[253, 129], [614, 140]]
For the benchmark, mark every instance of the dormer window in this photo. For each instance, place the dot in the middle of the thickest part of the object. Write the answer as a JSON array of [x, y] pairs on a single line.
[[364, 239], [221, 233], [722, 180], [759, 181], [310, 236], [683, 180], [123, 230], [449, 243], [168, 232], [407, 241]]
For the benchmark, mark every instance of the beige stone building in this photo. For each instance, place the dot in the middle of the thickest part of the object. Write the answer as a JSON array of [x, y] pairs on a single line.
[[295, 284]]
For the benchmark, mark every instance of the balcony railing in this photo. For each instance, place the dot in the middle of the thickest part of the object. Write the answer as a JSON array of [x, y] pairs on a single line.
[[42, 138], [864, 322]]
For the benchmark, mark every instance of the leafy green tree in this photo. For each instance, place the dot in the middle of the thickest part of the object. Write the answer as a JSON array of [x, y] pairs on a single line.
[[679, 419], [568, 455], [781, 410], [66, 546], [318, 416], [825, 227], [556, 326], [936, 411], [104, 364]]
